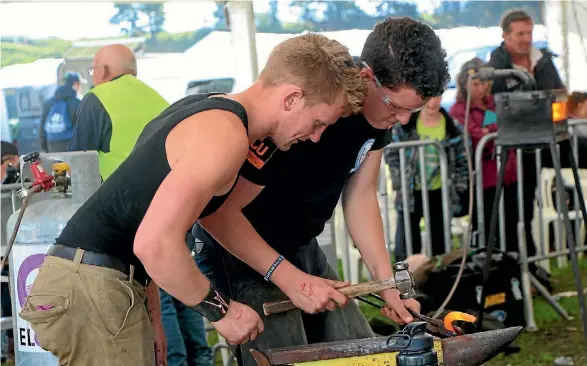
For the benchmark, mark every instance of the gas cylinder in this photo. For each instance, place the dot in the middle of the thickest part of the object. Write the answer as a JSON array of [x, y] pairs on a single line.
[[44, 218]]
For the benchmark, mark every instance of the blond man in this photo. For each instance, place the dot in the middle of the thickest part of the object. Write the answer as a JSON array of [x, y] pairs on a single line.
[[87, 304]]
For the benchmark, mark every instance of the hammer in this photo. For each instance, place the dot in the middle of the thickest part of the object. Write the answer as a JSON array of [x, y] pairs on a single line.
[[402, 280]]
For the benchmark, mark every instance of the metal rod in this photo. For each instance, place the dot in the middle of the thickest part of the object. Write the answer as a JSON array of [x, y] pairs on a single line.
[[15, 230], [523, 249], [413, 143], [492, 235], [570, 239], [387, 225], [367, 301], [575, 152], [479, 187], [548, 297], [13, 201], [425, 200], [580, 201], [406, 206], [555, 254], [577, 121], [540, 204], [558, 230], [501, 217], [446, 206], [11, 187]]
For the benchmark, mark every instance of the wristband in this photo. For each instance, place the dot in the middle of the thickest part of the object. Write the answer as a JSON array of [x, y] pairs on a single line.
[[272, 268], [214, 306]]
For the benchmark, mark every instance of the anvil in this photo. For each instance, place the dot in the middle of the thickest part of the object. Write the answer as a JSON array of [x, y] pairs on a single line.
[[465, 350]]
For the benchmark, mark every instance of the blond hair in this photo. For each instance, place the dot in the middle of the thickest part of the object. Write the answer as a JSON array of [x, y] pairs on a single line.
[[321, 67]]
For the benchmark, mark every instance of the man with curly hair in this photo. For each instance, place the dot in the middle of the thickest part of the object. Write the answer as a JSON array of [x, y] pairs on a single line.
[[293, 194]]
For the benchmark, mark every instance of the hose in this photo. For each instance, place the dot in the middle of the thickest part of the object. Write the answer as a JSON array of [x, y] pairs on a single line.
[[15, 231], [470, 208]]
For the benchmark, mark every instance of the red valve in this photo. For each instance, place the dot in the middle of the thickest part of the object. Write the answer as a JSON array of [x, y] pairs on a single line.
[[41, 179]]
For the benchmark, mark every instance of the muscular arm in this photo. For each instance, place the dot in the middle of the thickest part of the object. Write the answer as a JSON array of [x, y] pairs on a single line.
[[363, 216], [363, 220], [211, 154], [233, 231]]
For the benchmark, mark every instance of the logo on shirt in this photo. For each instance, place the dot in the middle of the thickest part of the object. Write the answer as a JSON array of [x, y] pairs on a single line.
[[198, 246], [260, 152], [362, 154]]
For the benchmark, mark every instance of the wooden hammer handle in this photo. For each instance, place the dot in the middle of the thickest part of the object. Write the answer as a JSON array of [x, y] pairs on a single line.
[[360, 289]]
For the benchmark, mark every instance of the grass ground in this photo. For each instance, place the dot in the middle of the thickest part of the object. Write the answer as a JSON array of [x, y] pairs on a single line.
[[555, 337]]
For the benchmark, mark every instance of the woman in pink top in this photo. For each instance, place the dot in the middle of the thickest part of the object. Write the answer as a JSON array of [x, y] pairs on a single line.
[[482, 122]]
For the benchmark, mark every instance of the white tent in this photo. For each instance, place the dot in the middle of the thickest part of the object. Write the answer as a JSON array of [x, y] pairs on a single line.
[[37, 73]]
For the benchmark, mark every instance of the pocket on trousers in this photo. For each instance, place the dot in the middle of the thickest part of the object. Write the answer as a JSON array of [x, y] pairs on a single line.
[[117, 300], [47, 314]]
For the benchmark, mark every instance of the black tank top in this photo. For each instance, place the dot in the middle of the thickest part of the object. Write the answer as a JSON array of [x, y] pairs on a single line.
[[108, 221]]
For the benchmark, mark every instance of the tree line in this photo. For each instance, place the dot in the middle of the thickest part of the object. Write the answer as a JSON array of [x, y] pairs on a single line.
[[149, 18]]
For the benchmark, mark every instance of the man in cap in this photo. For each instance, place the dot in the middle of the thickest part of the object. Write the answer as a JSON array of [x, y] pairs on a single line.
[[58, 115]]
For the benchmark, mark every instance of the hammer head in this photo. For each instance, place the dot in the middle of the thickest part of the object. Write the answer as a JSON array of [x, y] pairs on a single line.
[[404, 281]]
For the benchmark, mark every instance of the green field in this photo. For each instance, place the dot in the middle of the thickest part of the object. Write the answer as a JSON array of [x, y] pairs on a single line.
[[555, 337]]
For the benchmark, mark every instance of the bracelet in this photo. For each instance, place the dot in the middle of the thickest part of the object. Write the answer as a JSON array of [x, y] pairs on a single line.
[[273, 266], [214, 306]]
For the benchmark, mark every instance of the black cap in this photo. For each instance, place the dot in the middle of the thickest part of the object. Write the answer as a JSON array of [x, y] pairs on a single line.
[[73, 77], [8, 149]]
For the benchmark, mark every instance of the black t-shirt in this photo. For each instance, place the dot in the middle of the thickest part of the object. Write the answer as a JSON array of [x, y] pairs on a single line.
[[108, 221], [303, 185]]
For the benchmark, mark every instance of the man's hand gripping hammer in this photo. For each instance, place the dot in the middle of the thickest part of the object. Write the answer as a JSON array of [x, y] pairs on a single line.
[[402, 280]]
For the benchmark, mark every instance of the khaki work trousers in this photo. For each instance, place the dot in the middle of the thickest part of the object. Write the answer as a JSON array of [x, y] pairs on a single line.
[[89, 315]]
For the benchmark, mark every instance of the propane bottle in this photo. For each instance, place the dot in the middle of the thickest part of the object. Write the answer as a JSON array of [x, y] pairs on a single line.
[[44, 218], [419, 351]]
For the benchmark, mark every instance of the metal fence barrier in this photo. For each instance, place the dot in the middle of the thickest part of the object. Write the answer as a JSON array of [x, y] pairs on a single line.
[[445, 184]]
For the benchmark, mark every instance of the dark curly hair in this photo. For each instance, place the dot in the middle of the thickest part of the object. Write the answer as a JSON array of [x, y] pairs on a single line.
[[404, 51]]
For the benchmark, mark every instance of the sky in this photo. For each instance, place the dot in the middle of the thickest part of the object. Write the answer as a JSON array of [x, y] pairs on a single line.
[[74, 20]]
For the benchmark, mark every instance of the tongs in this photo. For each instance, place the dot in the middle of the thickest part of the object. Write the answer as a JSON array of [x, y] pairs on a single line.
[[444, 328]]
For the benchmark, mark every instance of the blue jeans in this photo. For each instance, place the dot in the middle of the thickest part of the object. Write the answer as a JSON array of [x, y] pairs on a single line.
[[185, 331]]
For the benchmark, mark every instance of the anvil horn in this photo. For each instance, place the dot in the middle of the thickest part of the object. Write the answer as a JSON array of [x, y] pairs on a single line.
[[477, 348], [465, 350]]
